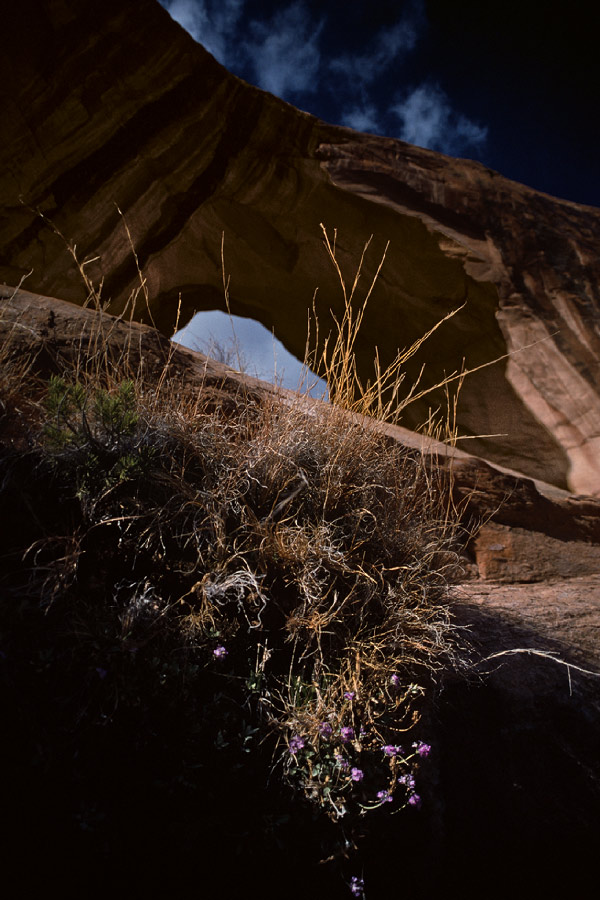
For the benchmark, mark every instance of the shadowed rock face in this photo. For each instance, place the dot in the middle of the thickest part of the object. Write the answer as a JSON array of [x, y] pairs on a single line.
[[116, 105]]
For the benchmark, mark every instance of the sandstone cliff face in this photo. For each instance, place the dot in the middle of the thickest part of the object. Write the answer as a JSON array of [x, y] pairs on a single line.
[[116, 105]]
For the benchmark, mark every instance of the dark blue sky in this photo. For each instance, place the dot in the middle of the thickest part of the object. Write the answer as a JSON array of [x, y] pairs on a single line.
[[512, 84]]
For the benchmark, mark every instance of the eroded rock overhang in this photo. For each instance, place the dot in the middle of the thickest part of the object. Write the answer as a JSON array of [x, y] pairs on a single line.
[[117, 110]]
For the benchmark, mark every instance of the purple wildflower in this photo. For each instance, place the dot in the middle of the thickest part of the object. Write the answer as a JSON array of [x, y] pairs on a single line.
[[325, 729], [102, 673], [220, 652], [296, 743], [422, 748], [414, 800], [384, 796], [395, 681], [408, 781], [347, 733], [356, 774], [349, 695], [341, 761], [391, 750], [357, 886]]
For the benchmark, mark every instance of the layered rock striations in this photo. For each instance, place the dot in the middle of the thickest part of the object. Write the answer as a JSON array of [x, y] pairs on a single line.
[[115, 109]]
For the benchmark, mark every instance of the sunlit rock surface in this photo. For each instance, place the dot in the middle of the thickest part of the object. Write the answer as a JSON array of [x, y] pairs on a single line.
[[114, 107]]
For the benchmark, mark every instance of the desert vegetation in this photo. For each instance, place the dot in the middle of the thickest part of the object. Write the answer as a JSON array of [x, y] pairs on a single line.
[[223, 610]]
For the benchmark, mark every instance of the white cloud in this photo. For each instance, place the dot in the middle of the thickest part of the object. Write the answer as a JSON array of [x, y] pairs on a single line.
[[211, 22], [428, 120], [190, 14], [284, 55], [386, 47], [362, 118], [284, 51]]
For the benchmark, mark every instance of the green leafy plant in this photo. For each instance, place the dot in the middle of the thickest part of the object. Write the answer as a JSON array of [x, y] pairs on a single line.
[[95, 430]]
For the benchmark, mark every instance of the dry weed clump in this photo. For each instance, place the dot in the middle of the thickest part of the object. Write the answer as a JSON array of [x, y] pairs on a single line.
[[299, 552], [227, 574]]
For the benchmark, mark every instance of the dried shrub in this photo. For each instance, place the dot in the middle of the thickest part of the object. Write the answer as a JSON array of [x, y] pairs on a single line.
[[249, 575]]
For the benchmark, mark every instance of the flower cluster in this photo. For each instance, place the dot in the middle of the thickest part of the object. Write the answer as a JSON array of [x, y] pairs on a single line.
[[392, 750], [422, 748], [408, 781], [296, 744], [342, 771], [341, 761], [357, 886]]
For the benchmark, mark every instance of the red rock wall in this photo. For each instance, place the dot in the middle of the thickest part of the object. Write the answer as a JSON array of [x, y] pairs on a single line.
[[114, 104]]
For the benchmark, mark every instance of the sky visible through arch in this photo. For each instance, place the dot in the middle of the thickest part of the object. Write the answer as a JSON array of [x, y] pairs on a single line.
[[513, 84]]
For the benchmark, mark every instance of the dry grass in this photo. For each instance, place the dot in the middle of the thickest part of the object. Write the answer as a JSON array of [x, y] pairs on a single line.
[[276, 570], [386, 395]]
